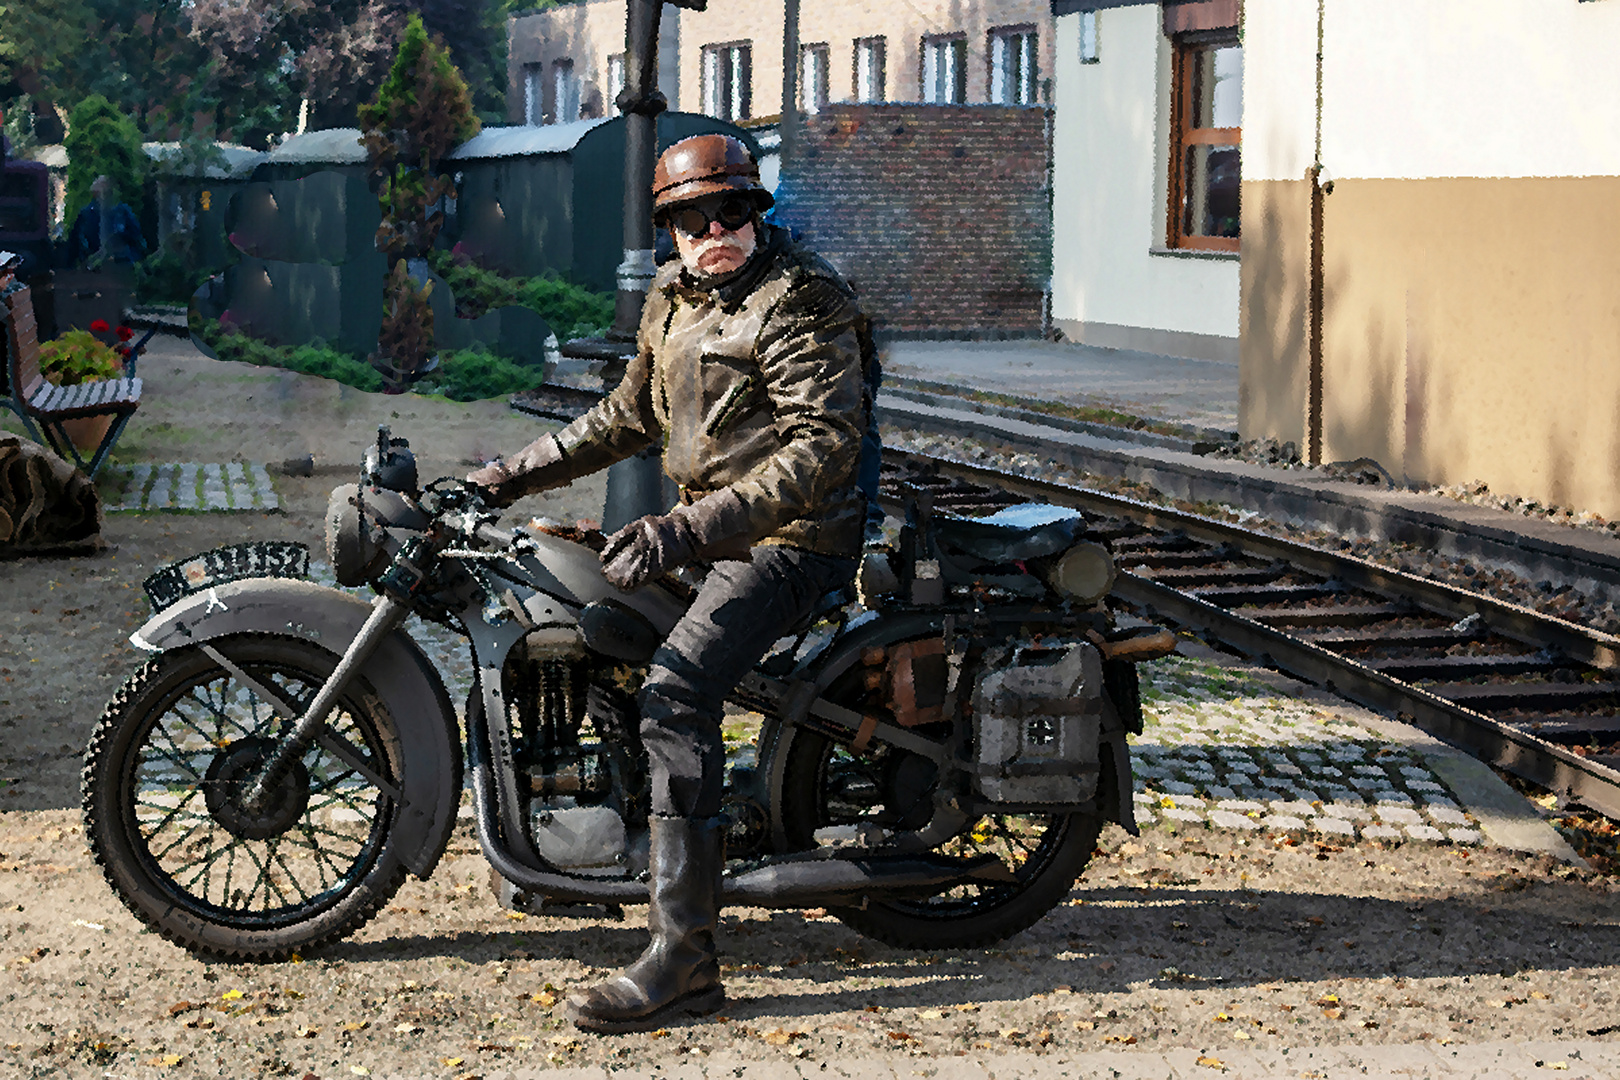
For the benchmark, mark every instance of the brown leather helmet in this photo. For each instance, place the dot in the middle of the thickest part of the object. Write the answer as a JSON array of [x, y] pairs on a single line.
[[704, 165]]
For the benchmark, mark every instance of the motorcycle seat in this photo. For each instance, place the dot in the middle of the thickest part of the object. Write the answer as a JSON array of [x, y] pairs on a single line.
[[1028, 531]]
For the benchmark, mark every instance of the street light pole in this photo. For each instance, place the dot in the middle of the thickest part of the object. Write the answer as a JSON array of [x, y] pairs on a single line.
[[635, 487]]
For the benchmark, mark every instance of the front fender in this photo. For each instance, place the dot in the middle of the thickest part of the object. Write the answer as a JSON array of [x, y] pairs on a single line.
[[407, 682]]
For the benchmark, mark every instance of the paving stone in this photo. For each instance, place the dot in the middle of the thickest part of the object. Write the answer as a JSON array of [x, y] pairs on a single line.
[[1399, 814], [1336, 826], [1240, 805], [1226, 819], [1218, 791], [1447, 815], [1287, 768], [1297, 808], [1143, 797], [1464, 836], [1425, 785], [1424, 832], [1184, 815], [1381, 832], [1177, 787], [1440, 802], [1188, 801], [1283, 822], [1352, 811], [1390, 795]]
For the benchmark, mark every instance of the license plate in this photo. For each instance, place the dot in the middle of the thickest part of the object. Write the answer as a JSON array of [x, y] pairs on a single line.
[[259, 558]]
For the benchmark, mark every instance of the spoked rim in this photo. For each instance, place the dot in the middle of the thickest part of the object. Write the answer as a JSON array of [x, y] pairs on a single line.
[[1025, 843], [303, 852]]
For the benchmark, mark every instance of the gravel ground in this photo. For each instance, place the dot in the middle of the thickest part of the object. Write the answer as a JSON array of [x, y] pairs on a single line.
[[1217, 941]]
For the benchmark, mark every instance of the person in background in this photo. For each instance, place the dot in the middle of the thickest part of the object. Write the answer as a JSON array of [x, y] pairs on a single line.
[[106, 230]]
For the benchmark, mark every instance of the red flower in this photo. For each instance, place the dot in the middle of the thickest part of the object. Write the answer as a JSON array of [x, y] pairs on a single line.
[[99, 326], [125, 333]]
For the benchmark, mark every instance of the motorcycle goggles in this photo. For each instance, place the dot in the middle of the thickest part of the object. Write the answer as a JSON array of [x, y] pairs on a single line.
[[731, 211]]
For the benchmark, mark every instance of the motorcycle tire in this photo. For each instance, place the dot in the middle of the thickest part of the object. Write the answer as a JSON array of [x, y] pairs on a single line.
[[970, 916], [161, 788]]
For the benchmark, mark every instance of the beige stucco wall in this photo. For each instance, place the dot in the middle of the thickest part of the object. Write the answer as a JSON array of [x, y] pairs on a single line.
[[1471, 326], [587, 34], [1112, 280]]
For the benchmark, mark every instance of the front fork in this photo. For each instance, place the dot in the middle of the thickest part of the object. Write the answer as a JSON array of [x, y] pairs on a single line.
[[387, 613]]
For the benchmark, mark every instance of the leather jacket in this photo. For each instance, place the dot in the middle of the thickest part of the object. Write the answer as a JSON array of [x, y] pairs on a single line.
[[754, 384]]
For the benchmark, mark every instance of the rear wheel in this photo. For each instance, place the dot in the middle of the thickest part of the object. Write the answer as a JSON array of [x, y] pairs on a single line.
[[163, 785], [824, 785]]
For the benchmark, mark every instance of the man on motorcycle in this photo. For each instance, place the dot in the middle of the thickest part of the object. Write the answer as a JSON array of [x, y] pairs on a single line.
[[749, 370]]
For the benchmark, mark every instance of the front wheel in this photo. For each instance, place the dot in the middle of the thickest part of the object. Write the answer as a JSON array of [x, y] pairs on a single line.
[[162, 789], [825, 786]]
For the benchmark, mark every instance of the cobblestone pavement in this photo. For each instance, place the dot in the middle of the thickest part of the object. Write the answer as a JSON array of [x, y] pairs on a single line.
[[190, 485], [1226, 748]]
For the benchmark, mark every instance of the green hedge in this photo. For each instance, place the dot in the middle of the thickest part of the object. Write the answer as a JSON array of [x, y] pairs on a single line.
[[462, 374], [571, 310]]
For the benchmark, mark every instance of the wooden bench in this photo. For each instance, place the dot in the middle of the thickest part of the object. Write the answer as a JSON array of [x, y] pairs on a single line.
[[35, 398]]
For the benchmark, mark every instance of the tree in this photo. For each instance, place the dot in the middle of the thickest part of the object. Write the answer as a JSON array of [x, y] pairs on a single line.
[[421, 112], [102, 141]]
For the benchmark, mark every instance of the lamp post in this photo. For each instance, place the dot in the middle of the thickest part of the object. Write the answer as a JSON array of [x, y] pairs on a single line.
[[635, 487]]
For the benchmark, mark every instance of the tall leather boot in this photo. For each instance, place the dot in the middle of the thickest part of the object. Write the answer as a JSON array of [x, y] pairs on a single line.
[[678, 975]]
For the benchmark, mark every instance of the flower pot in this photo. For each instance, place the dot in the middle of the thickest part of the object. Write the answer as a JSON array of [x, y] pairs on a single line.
[[87, 431]]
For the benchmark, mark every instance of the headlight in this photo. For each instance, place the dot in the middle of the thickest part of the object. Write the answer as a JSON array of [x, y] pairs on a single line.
[[1085, 573], [352, 543]]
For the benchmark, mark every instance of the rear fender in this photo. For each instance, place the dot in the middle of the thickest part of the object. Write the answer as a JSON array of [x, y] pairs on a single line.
[[402, 676]]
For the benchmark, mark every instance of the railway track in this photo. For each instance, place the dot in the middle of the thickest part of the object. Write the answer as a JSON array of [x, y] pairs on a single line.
[[1531, 694]]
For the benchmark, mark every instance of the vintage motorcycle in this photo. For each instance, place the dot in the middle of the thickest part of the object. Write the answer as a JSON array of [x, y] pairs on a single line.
[[934, 763]]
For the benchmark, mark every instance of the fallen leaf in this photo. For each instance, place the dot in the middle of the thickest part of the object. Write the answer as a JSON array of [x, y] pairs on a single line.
[[1211, 1062], [201, 1022], [567, 1042], [357, 1025], [782, 1037], [930, 1014], [88, 925], [661, 1033], [545, 999], [966, 1006], [1332, 1014], [798, 1051], [451, 1063], [1241, 1035], [900, 1036], [1221, 1018], [1537, 994], [231, 995], [308, 1032], [1560, 1065], [1012, 1033], [359, 1070], [182, 1006], [516, 916], [165, 1061], [1084, 1025], [407, 1028]]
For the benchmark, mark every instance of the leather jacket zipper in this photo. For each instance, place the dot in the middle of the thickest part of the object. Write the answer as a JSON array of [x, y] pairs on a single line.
[[731, 404]]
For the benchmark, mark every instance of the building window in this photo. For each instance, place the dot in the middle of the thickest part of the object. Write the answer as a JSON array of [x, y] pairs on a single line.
[[533, 88], [944, 75], [1012, 66], [615, 80], [869, 69], [727, 79], [565, 88], [1206, 128], [813, 89], [1088, 37]]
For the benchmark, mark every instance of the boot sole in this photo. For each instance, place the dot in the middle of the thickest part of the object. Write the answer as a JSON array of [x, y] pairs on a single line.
[[700, 1003]]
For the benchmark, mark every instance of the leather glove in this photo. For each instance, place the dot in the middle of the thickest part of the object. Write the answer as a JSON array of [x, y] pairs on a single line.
[[532, 469], [714, 527]]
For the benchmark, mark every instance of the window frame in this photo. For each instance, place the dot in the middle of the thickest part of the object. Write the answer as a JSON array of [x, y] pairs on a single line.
[[534, 94], [1183, 49], [739, 70], [813, 99], [616, 79], [879, 48], [565, 91], [958, 46], [1026, 86]]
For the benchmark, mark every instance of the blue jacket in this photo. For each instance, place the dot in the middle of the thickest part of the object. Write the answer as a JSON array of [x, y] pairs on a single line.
[[127, 243]]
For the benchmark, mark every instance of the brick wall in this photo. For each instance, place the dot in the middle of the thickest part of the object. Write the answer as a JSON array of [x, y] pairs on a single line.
[[940, 215]]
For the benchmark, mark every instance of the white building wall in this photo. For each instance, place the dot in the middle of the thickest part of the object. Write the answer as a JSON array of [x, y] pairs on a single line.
[[1112, 281]]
